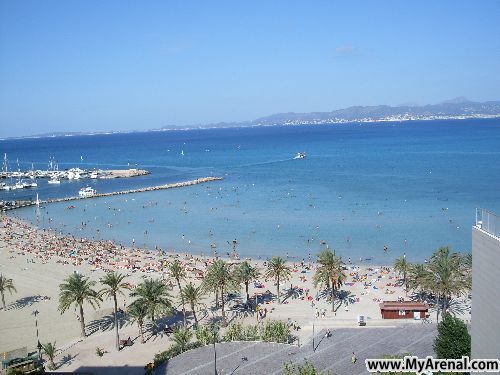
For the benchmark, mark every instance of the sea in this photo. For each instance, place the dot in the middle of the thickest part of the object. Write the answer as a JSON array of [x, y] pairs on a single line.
[[411, 187]]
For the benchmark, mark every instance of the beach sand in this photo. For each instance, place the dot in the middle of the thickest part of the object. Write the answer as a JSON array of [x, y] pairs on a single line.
[[39, 260]]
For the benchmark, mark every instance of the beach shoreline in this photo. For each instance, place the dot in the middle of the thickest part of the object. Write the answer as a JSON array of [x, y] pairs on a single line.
[[38, 260]]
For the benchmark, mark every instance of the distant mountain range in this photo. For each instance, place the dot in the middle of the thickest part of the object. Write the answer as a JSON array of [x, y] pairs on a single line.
[[458, 108]]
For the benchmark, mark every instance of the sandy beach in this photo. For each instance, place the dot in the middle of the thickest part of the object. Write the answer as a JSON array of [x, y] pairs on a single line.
[[39, 260]]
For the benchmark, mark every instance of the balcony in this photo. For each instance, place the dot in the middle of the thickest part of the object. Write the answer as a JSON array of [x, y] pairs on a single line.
[[488, 221]]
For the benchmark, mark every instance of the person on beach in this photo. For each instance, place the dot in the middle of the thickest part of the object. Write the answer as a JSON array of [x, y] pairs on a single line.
[[353, 358]]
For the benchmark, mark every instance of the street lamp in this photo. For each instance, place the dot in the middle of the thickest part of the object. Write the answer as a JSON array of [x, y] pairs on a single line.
[[39, 345], [215, 330], [314, 349]]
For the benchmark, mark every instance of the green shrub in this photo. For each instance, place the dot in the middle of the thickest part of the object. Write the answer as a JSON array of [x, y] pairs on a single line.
[[205, 335], [173, 351], [273, 331], [234, 332], [305, 369], [453, 339], [276, 331], [251, 333]]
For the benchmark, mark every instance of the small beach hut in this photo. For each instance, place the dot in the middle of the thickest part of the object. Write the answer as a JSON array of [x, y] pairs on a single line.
[[403, 310]]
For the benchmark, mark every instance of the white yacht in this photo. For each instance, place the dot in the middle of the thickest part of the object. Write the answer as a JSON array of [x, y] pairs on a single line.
[[29, 184], [300, 155], [54, 180], [87, 192]]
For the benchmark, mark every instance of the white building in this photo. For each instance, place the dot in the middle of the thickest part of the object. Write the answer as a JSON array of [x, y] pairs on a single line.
[[485, 327]]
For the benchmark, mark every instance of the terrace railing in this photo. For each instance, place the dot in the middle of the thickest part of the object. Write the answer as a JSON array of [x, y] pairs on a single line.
[[488, 221]]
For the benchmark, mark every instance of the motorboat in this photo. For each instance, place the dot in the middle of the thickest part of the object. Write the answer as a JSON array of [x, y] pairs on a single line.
[[74, 173], [300, 155], [54, 180], [87, 192], [29, 184]]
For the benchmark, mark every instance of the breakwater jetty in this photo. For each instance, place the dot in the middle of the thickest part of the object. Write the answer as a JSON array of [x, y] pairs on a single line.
[[19, 204]]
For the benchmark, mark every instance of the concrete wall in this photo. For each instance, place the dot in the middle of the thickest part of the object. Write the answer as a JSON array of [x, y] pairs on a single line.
[[485, 327]]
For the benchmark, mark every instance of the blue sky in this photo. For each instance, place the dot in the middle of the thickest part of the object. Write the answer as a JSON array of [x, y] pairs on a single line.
[[122, 65]]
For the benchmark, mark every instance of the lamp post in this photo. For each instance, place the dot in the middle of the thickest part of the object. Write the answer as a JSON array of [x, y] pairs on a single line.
[[215, 329], [314, 349], [39, 345]]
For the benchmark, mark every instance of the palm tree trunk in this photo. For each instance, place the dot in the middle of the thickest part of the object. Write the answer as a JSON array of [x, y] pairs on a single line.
[[246, 289], [404, 281], [216, 298], [332, 293], [82, 320], [223, 312], [116, 324], [194, 314], [278, 281], [444, 308], [153, 321], [3, 300], [141, 332], [182, 301]]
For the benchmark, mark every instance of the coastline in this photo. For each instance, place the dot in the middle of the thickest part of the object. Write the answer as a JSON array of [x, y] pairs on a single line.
[[38, 260]]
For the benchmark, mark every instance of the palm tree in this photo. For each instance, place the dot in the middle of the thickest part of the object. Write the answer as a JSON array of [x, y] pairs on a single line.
[[246, 274], [154, 295], [6, 285], [220, 276], [114, 285], [138, 312], [181, 337], [329, 273], [50, 350], [444, 277], [176, 271], [416, 278], [192, 295], [402, 267], [77, 289], [277, 269]]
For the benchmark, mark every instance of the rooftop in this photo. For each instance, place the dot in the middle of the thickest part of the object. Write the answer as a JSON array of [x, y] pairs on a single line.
[[405, 305]]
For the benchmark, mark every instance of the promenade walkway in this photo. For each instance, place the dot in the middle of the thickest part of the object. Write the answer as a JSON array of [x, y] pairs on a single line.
[[332, 353]]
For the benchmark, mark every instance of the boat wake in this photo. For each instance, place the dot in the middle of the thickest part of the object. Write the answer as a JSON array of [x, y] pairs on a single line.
[[270, 162]]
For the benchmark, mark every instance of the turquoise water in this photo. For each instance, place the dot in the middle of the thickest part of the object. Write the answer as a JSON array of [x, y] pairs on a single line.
[[412, 186]]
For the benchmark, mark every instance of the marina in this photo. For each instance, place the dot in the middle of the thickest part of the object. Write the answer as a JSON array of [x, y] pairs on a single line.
[[54, 175]]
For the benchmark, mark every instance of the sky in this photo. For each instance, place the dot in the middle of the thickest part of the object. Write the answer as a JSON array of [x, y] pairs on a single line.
[[130, 65]]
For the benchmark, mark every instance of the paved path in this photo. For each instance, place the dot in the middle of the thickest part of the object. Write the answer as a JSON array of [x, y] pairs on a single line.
[[332, 353]]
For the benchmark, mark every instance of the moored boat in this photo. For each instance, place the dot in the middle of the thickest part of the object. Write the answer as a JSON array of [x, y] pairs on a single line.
[[87, 192]]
